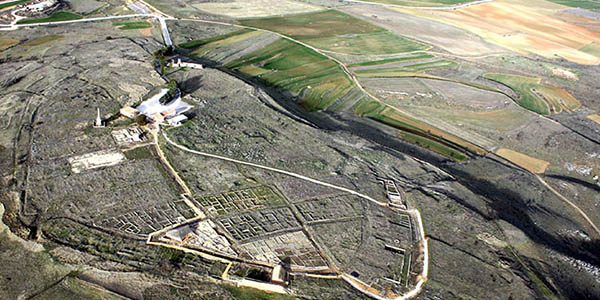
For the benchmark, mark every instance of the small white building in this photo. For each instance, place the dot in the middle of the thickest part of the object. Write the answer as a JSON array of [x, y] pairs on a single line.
[[129, 112], [40, 6], [179, 64], [177, 120]]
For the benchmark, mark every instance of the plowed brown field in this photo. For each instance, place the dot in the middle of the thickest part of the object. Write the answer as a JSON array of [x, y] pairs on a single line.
[[523, 28]]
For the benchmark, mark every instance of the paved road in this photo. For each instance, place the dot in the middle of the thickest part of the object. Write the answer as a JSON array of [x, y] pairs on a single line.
[[165, 32], [453, 7]]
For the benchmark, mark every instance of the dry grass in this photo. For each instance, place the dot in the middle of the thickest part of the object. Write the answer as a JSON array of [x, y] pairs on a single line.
[[595, 118], [5, 44], [532, 164], [523, 27]]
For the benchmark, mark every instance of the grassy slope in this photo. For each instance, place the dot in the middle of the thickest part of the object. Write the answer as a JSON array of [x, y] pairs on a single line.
[[417, 132], [198, 43], [523, 85], [287, 65], [132, 25], [336, 31], [537, 97], [55, 17]]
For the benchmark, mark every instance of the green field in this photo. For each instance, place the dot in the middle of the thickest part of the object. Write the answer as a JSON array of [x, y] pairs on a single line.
[[417, 132], [523, 85], [423, 3], [198, 43], [287, 65], [587, 4], [593, 49], [9, 4], [132, 25], [55, 17], [415, 56], [338, 32], [404, 70]]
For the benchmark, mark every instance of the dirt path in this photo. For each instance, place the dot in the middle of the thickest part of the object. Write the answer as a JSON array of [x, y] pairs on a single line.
[[579, 210]]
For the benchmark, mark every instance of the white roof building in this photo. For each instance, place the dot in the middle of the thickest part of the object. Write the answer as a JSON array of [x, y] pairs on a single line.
[[177, 120], [153, 106]]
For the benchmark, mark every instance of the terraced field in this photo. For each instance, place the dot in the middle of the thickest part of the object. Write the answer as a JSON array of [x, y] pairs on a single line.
[[539, 98], [338, 32]]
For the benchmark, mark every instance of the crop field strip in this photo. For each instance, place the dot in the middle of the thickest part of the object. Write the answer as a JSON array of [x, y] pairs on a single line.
[[535, 96], [132, 25], [414, 56], [337, 32], [287, 65], [415, 68]]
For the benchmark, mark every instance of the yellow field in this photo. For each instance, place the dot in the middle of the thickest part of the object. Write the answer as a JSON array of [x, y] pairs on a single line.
[[559, 99], [532, 164], [5, 44], [595, 118], [524, 27], [256, 8]]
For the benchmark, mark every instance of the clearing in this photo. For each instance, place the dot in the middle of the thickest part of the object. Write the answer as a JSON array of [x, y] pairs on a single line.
[[338, 32], [532, 164]]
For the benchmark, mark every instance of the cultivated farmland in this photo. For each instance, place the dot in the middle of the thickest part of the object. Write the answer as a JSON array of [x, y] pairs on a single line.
[[132, 25], [523, 27], [338, 32], [535, 96], [256, 8], [532, 164], [290, 66]]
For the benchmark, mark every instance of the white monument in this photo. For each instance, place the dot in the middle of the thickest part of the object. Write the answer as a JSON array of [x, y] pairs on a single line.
[[98, 122]]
